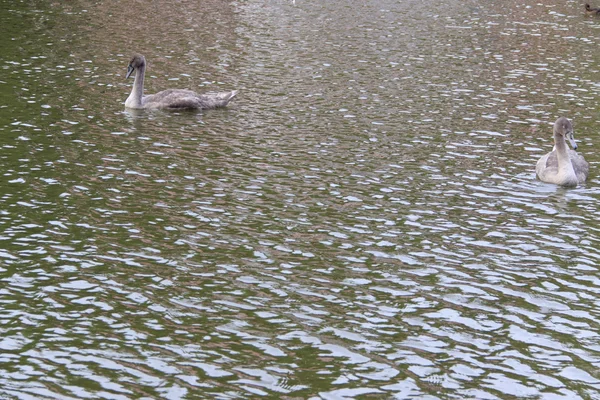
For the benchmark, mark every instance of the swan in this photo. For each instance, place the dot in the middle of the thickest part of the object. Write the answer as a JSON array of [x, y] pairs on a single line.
[[170, 98], [563, 166], [591, 10]]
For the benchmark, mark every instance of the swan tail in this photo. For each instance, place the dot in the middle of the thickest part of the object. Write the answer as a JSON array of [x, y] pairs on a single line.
[[216, 100], [227, 96]]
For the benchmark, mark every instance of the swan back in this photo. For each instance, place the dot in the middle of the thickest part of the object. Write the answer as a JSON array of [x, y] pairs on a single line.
[[187, 99]]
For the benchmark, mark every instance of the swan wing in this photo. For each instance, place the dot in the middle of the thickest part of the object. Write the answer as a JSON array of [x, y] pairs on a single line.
[[580, 166], [547, 165], [167, 96]]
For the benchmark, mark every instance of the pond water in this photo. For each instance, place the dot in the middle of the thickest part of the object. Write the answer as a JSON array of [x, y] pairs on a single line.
[[363, 220]]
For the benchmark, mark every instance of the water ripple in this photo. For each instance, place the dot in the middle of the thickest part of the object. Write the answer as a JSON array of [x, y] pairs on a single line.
[[364, 221]]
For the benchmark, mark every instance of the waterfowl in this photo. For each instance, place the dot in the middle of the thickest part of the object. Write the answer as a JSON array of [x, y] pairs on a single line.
[[592, 10], [171, 98], [562, 165]]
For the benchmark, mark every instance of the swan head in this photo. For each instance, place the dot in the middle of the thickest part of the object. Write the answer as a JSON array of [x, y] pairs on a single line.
[[564, 128], [137, 61]]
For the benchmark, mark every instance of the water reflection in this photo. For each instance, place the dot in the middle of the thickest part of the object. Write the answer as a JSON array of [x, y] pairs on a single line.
[[363, 221]]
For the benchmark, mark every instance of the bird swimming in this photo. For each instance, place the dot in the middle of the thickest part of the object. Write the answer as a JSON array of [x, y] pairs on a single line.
[[563, 166], [171, 98]]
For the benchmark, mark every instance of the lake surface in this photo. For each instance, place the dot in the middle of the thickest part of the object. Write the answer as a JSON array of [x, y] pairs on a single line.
[[363, 220]]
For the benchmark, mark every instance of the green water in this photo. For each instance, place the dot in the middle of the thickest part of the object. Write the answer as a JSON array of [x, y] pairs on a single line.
[[363, 221]]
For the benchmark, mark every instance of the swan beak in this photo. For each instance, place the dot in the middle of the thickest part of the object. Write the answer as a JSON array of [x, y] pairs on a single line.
[[572, 140], [129, 71]]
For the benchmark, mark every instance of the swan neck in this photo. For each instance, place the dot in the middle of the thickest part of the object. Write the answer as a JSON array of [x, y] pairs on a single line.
[[137, 92], [562, 151], [138, 83], [566, 171]]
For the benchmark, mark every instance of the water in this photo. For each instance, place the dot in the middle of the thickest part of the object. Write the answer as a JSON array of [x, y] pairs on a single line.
[[362, 222]]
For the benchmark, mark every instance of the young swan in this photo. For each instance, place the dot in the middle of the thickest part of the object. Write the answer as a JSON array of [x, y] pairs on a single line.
[[171, 98], [563, 166]]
